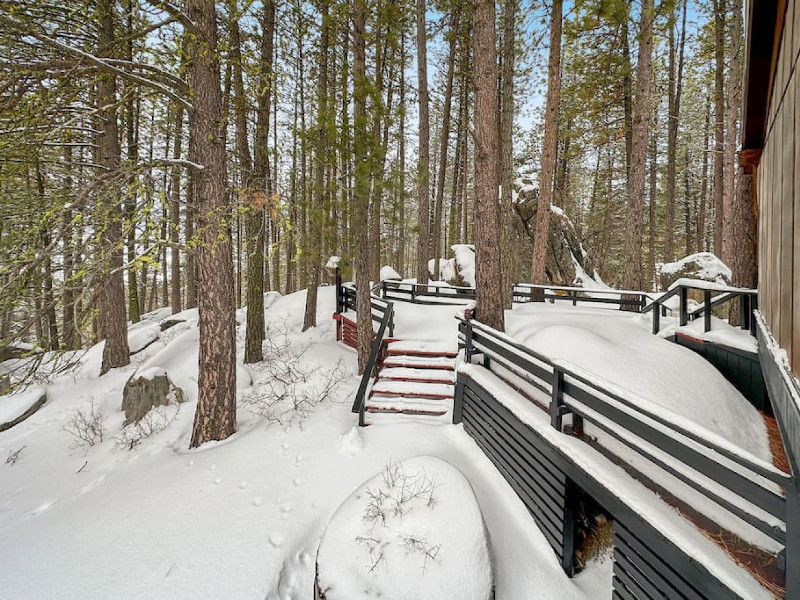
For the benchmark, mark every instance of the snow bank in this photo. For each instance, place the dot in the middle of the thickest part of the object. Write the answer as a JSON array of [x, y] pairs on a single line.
[[15, 404], [413, 531], [618, 347]]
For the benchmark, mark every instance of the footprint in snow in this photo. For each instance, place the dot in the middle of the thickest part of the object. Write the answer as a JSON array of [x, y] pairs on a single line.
[[258, 501], [276, 540], [43, 508], [291, 583], [91, 485]]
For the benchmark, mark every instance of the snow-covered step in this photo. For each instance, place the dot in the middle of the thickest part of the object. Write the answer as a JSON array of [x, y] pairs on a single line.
[[412, 388], [420, 362], [406, 408], [387, 418], [421, 375], [423, 348]]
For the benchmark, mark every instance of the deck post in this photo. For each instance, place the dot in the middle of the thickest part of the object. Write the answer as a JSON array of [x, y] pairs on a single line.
[[744, 310], [656, 318], [557, 401], [458, 399], [707, 312], [339, 290], [568, 533], [792, 550], [682, 310]]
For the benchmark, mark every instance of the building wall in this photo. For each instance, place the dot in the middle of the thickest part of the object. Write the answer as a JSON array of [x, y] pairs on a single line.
[[778, 185]]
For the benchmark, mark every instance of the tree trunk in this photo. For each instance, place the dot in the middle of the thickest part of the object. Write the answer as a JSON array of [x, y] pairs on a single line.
[[701, 213], [316, 214], [720, 9], [674, 92], [510, 257], [360, 208], [541, 234], [641, 117], [488, 281], [110, 287], [215, 418], [423, 165], [448, 99], [175, 217]]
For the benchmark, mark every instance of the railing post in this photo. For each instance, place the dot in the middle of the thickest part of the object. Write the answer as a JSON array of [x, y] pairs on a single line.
[[744, 310], [468, 350], [656, 317], [791, 555], [557, 400], [339, 290], [413, 292], [682, 310], [574, 298], [753, 308], [707, 311], [642, 302], [458, 400]]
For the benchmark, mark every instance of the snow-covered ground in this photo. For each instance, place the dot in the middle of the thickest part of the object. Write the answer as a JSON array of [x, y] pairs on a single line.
[[243, 517]]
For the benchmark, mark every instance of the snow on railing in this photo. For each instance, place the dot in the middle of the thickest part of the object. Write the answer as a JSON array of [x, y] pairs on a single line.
[[738, 481]]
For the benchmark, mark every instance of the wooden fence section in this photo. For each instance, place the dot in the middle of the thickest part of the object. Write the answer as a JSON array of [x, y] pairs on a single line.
[[754, 490]]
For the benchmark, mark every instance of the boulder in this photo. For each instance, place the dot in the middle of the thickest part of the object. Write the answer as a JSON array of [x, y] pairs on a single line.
[[567, 262], [147, 389], [704, 266]]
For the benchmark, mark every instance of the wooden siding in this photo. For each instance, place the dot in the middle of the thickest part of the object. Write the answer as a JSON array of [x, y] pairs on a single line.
[[778, 193]]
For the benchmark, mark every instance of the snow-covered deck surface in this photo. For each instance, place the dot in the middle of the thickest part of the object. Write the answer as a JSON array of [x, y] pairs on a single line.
[[612, 477]]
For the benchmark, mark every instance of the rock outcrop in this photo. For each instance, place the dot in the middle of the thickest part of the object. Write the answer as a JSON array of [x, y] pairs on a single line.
[[567, 262], [147, 389]]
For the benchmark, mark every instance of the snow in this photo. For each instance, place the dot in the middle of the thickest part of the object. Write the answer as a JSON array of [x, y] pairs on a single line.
[[333, 262], [413, 531], [244, 515], [447, 269], [15, 404], [388, 272], [711, 268], [465, 261], [150, 373], [617, 346], [665, 519], [702, 284]]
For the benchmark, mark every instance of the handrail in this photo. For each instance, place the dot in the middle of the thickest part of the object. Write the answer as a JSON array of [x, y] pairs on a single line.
[[574, 391], [748, 302], [635, 299], [361, 396], [412, 292]]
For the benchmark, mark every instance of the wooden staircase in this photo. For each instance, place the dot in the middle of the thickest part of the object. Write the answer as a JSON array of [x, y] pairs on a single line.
[[416, 379]]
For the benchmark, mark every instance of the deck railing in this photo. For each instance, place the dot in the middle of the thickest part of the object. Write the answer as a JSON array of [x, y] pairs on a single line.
[[346, 300], [698, 458], [529, 292], [713, 296], [429, 293], [361, 396]]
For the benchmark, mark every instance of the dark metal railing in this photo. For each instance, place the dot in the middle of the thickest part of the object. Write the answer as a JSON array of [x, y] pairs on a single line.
[[748, 302], [361, 396], [529, 292], [649, 432], [428, 293], [346, 300]]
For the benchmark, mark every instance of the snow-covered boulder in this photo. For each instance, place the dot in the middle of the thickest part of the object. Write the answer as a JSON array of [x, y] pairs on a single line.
[[147, 389], [16, 407], [415, 530], [459, 270], [388, 273], [567, 261], [702, 265]]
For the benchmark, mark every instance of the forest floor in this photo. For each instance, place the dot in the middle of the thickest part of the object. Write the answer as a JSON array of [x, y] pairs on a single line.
[[140, 515]]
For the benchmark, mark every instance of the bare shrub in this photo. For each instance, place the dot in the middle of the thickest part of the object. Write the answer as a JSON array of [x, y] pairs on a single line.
[[155, 421], [13, 456], [86, 427], [400, 493], [292, 385]]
